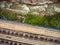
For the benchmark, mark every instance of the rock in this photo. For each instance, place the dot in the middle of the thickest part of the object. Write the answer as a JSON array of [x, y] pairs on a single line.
[[57, 9], [25, 8], [35, 13]]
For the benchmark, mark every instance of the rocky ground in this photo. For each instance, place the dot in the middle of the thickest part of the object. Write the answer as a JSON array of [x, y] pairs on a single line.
[[38, 10]]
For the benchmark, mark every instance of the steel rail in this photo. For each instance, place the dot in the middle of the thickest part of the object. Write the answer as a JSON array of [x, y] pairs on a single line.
[[10, 42], [29, 35]]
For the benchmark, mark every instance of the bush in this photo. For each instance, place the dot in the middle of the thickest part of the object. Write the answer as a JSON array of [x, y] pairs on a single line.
[[11, 16], [8, 14], [55, 21], [33, 19], [50, 20]]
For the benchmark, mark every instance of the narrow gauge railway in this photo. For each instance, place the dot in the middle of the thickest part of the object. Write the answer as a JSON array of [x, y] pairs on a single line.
[[31, 36]]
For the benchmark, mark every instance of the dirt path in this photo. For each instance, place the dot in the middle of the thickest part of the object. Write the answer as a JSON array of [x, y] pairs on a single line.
[[29, 28]]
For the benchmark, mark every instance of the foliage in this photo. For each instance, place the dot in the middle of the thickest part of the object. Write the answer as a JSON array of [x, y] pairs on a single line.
[[50, 20], [33, 19], [8, 14], [55, 21]]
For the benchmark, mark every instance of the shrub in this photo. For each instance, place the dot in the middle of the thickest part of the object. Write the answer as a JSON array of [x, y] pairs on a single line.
[[55, 21], [33, 19], [8, 14], [50, 20], [11, 16]]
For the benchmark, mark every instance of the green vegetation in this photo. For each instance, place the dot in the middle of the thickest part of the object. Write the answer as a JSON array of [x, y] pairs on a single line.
[[33, 19], [8, 14], [50, 20]]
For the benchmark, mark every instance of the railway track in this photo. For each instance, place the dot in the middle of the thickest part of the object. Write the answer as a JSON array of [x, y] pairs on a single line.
[[31, 36], [27, 41], [10, 42], [25, 35]]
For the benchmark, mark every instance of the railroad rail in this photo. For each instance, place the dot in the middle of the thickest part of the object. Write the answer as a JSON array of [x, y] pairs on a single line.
[[30, 29], [24, 40], [10, 42], [31, 36], [25, 35]]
